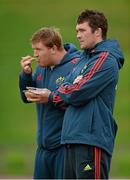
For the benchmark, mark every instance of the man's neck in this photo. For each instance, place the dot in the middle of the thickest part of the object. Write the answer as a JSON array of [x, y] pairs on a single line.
[[59, 56], [98, 41]]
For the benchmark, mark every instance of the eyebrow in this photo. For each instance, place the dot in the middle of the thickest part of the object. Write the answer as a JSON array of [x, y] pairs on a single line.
[[37, 48], [80, 29]]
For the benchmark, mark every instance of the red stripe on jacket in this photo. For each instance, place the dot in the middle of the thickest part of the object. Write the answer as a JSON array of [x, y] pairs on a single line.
[[56, 98], [97, 163], [70, 88]]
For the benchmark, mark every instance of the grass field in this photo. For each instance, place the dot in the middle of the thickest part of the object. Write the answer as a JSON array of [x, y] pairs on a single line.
[[19, 19]]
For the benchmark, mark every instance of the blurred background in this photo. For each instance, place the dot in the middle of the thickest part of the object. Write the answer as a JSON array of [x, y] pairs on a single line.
[[19, 19]]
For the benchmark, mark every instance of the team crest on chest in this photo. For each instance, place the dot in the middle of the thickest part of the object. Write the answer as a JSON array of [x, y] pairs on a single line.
[[60, 80]]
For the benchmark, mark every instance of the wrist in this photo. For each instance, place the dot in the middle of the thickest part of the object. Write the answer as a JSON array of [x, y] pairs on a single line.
[[27, 71], [50, 98]]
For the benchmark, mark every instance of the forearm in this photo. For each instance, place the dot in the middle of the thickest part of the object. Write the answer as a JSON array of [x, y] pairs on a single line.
[[88, 87], [25, 80]]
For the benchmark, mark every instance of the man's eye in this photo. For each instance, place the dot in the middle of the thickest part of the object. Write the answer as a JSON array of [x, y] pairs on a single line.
[[82, 30]]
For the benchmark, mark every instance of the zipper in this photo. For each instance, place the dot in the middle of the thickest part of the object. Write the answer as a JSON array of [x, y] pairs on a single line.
[[48, 73]]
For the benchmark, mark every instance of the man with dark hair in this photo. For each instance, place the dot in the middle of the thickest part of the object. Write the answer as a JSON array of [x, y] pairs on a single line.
[[95, 19], [55, 62], [89, 129]]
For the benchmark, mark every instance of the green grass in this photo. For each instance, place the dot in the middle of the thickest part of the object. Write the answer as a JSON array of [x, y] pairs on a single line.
[[19, 19], [17, 160]]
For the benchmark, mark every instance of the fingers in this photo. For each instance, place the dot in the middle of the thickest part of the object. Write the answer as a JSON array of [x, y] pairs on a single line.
[[36, 92], [36, 100], [37, 96], [32, 95], [43, 92], [26, 63], [78, 79], [27, 60]]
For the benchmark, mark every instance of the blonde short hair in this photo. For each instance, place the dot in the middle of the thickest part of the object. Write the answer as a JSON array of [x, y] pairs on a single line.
[[49, 36]]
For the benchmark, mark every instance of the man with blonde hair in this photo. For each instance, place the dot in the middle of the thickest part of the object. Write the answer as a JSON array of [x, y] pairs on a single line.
[[55, 62]]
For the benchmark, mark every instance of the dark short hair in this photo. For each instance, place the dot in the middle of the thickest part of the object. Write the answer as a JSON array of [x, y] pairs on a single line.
[[95, 20]]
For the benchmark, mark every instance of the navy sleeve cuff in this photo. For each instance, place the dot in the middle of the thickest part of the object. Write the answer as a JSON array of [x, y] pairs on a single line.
[[50, 98], [25, 75]]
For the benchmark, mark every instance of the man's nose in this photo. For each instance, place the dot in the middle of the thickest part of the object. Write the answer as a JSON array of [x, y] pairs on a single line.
[[35, 54], [78, 35]]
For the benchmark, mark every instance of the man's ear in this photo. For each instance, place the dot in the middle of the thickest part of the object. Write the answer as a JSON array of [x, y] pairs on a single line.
[[98, 32], [53, 49]]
